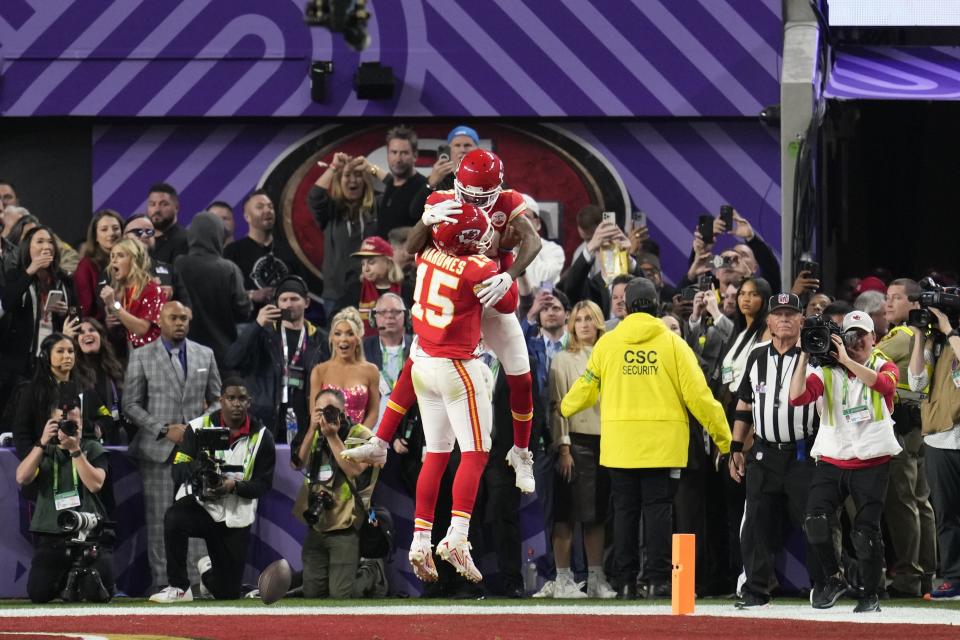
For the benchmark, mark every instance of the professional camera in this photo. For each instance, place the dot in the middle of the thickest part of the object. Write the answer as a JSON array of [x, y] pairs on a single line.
[[945, 299], [80, 523], [815, 340], [208, 478], [83, 580], [348, 17], [318, 501], [69, 427]]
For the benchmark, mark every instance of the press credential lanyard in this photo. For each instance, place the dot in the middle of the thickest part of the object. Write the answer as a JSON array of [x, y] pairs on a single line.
[[67, 499]]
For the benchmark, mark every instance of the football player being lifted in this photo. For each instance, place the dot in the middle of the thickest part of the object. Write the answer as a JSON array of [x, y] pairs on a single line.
[[479, 182]]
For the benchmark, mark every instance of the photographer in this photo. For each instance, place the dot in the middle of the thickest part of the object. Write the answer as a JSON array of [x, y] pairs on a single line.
[[940, 415], [216, 499], [69, 472], [853, 449], [331, 551]]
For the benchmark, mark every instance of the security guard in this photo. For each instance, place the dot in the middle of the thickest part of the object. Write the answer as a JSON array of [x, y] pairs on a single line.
[[650, 379]]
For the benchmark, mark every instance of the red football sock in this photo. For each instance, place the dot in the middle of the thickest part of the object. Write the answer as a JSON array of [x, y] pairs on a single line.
[[467, 481], [428, 486], [521, 406], [401, 399]]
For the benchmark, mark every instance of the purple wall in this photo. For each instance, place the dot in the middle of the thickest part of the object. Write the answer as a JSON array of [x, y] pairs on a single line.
[[708, 58]]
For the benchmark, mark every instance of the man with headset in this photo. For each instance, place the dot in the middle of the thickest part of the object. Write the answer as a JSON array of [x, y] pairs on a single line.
[[389, 349], [275, 355]]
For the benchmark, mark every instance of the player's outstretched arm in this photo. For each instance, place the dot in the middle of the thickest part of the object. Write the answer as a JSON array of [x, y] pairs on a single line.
[[529, 245], [418, 238]]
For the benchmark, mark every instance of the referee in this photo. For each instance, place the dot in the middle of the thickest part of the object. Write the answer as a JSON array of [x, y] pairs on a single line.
[[778, 467]]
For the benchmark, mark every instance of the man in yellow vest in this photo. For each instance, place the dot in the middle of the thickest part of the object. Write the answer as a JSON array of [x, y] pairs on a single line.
[[853, 449], [651, 379], [910, 519]]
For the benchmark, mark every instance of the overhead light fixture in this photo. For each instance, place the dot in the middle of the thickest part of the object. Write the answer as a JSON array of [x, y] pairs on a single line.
[[319, 70], [373, 81]]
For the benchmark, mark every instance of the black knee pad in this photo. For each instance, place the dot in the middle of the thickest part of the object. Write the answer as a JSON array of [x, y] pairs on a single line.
[[817, 528], [866, 543]]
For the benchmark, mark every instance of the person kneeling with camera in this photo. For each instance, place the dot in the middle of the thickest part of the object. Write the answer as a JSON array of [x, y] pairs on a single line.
[[333, 503], [853, 448], [223, 465], [71, 558]]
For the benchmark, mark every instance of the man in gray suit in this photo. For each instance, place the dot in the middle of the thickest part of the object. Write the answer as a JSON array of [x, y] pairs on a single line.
[[168, 383]]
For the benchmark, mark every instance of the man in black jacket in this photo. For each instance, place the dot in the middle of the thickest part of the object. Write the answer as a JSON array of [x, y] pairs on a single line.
[[276, 354], [221, 508]]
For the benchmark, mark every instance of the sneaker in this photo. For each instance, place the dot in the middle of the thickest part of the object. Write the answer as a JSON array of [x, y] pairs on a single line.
[[421, 559], [751, 601], [867, 604], [600, 588], [827, 596], [522, 463], [946, 591], [547, 590], [373, 451], [204, 564], [172, 594], [455, 549], [567, 589]]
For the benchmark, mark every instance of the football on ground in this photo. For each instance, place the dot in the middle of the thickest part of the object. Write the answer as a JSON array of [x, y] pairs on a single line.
[[274, 581]]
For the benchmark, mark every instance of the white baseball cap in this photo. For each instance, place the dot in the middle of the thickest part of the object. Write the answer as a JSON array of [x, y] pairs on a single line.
[[857, 320]]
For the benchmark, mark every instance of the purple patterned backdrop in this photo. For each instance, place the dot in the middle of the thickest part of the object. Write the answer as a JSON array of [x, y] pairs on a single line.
[[895, 73], [626, 58]]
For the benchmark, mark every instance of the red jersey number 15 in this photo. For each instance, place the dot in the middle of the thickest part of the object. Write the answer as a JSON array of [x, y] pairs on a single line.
[[436, 308]]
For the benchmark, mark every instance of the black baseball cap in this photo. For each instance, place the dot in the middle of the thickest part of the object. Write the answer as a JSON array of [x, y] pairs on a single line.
[[785, 301], [641, 294]]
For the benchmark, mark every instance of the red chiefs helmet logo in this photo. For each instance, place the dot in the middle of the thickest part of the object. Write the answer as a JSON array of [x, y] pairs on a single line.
[[468, 235]]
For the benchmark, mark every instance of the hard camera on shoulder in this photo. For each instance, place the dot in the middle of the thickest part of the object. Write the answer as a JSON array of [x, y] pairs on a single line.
[[945, 299], [209, 476], [816, 341]]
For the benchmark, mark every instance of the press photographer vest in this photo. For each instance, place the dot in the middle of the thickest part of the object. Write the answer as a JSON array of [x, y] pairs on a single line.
[[940, 411], [231, 509]]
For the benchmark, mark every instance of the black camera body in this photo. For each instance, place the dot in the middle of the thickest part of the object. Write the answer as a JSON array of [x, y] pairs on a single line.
[[83, 550], [208, 477], [932, 295], [318, 501], [816, 341]]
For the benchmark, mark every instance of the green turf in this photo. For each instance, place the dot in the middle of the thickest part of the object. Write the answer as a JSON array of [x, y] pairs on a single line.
[[415, 602]]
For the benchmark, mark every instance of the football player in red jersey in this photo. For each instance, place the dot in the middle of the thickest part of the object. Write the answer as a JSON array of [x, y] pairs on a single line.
[[479, 180], [453, 387]]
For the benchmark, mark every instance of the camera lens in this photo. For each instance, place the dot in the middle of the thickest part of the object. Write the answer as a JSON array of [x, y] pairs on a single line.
[[331, 414]]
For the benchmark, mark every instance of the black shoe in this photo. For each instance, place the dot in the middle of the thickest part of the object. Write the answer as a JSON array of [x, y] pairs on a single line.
[[657, 590], [752, 601], [827, 596], [897, 594], [627, 592], [867, 604]]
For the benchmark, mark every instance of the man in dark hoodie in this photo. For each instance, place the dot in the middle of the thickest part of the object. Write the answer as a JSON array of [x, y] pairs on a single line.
[[215, 285]]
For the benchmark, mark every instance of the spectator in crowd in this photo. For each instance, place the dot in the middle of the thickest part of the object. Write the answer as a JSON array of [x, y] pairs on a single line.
[[644, 446], [16, 221], [275, 354], [582, 487], [224, 211], [8, 195], [348, 371], [78, 465], [103, 232], [910, 520], [708, 333], [402, 183], [749, 329], [546, 333], [618, 300], [837, 311], [548, 264], [649, 265], [778, 468], [215, 285], [940, 417], [163, 208], [100, 365], [379, 274], [259, 255], [342, 201], [818, 302], [132, 298], [870, 283], [588, 219], [461, 140], [390, 347], [138, 227], [221, 512], [17, 233], [331, 550], [853, 447], [404, 259], [874, 304], [56, 379], [35, 303], [168, 383]]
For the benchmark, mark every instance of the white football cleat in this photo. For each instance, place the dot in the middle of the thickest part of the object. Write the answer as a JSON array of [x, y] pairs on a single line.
[[522, 463], [204, 564], [421, 559], [373, 451], [455, 549], [172, 594]]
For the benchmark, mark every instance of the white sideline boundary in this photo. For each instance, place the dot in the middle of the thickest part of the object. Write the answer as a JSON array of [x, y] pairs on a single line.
[[841, 613]]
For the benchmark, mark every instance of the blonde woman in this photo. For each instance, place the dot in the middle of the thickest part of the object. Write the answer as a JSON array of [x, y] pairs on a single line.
[[348, 371], [582, 487], [344, 205], [132, 299]]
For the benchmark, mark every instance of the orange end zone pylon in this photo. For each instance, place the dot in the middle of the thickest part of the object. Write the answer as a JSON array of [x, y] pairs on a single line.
[[684, 573]]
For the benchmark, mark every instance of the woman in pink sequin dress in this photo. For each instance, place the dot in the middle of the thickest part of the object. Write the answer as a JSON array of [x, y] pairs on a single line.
[[348, 371]]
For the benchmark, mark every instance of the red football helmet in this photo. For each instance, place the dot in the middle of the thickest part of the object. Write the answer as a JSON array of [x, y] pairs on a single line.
[[471, 234], [479, 179]]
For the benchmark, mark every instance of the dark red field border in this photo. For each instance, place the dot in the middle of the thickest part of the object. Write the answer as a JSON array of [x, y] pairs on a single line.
[[468, 627]]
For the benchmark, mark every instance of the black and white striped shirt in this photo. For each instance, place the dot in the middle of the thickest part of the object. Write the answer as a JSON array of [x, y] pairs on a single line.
[[766, 385]]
